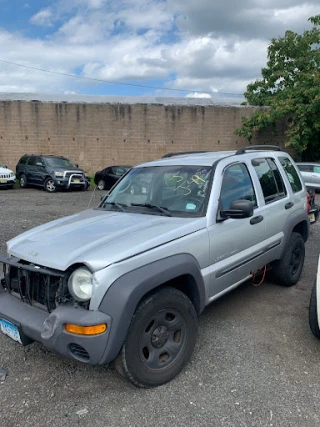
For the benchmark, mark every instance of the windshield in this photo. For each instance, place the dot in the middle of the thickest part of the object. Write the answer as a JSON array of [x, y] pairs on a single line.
[[57, 162], [2, 166], [162, 190]]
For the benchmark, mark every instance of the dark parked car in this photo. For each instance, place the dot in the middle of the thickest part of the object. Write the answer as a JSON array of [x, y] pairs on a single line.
[[106, 178], [50, 172]]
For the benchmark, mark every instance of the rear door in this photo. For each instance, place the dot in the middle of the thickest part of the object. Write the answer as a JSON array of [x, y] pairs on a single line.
[[30, 170], [276, 197]]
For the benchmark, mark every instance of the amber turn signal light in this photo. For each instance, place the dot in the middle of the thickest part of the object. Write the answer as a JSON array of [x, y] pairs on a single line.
[[85, 330]]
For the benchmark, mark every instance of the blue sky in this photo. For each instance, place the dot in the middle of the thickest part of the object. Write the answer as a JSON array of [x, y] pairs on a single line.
[[205, 48]]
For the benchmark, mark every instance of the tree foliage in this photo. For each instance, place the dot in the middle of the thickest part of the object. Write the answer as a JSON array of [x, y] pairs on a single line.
[[290, 87]]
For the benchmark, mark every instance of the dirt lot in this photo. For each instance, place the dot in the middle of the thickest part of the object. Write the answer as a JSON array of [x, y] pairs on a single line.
[[256, 362]]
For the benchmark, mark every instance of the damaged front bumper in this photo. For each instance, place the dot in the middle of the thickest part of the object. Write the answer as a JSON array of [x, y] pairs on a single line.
[[34, 324], [29, 311]]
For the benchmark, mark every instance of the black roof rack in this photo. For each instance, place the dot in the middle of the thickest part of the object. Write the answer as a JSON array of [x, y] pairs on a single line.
[[258, 147], [180, 153]]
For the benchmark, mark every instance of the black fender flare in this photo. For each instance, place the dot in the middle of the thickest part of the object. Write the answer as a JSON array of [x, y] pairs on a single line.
[[298, 222], [123, 296]]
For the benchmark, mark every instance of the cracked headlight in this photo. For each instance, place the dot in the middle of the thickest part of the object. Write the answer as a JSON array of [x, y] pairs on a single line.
[[80, 284]]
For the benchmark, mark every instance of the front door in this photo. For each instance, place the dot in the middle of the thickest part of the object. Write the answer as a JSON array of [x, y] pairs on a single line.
[[235, 244]]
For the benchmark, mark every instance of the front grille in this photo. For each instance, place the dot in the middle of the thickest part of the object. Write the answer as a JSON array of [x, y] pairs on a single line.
[[5, 175], [76, 175], [34, 285]]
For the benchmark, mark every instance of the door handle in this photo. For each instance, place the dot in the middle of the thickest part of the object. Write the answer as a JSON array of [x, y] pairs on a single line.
[[289, 205], [256, 219]]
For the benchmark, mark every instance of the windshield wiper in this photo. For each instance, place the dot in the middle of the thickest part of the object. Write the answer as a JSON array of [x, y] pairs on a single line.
[[117, 205], [148, 205]]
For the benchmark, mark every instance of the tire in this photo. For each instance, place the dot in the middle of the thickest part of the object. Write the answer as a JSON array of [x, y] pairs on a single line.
[[313, 312], [287, 270], [23, 181], [49, 185], [101, 184], [160, 339]]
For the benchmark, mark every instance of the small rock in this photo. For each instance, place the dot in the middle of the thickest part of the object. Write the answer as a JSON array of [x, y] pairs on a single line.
[[3, 374], [82, 412]]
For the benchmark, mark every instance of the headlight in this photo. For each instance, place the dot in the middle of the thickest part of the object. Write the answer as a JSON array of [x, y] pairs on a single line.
[[80, 284], [58, 173]]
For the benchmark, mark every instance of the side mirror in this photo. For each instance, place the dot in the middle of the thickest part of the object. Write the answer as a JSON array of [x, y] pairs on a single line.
[[76, 165], [238, 209], [6, 167]]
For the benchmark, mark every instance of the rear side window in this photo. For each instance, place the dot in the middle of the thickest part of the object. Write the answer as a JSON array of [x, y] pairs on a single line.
[[272, 185], [23, 160], [291, 173]]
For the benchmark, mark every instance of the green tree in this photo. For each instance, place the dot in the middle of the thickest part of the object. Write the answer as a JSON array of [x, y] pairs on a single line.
[[290, 87]]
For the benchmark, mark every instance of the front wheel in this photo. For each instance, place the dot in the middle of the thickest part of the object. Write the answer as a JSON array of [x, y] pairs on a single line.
[[287, 270], [50, 186], [313, 313], [23, 181], [160, 339]]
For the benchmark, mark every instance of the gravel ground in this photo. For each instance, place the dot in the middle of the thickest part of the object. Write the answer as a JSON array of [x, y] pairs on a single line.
[[255, 364]]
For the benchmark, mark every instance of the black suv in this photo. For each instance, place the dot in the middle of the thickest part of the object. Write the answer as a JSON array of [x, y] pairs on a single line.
[[50, 172]]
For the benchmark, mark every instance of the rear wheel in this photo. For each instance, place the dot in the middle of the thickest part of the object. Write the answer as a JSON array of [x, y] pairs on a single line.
[[160, 339], [313, 313], [23, 181], [50, 186], [287, 270], [101, 184]]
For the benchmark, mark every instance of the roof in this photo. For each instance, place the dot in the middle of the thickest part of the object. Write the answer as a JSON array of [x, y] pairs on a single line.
[[308, 163], [207, 158], [45, 155], [202, 159], [230, 101]]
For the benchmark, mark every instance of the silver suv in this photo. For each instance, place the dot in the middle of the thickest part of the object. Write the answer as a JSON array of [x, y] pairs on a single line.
[[126, 281]]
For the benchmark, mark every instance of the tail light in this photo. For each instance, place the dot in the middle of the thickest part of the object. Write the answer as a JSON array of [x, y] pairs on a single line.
[[308, 201]]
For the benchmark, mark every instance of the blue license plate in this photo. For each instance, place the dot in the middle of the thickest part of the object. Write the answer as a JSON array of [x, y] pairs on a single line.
[[11, 330]]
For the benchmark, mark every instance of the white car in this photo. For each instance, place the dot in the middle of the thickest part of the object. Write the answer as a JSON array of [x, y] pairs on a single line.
[[314, 307], [7, 177], [310, 174]]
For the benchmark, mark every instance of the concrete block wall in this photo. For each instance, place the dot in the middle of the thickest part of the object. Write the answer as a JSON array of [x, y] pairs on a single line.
[[98, 135]]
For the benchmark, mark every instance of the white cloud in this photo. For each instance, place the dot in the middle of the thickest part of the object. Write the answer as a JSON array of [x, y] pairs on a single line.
[[214, 47], [198, 95], [44, 18]]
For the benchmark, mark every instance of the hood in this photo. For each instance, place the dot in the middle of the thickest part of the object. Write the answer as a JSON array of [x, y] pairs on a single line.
[[67, 168], [98, 238], [6, 171]]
